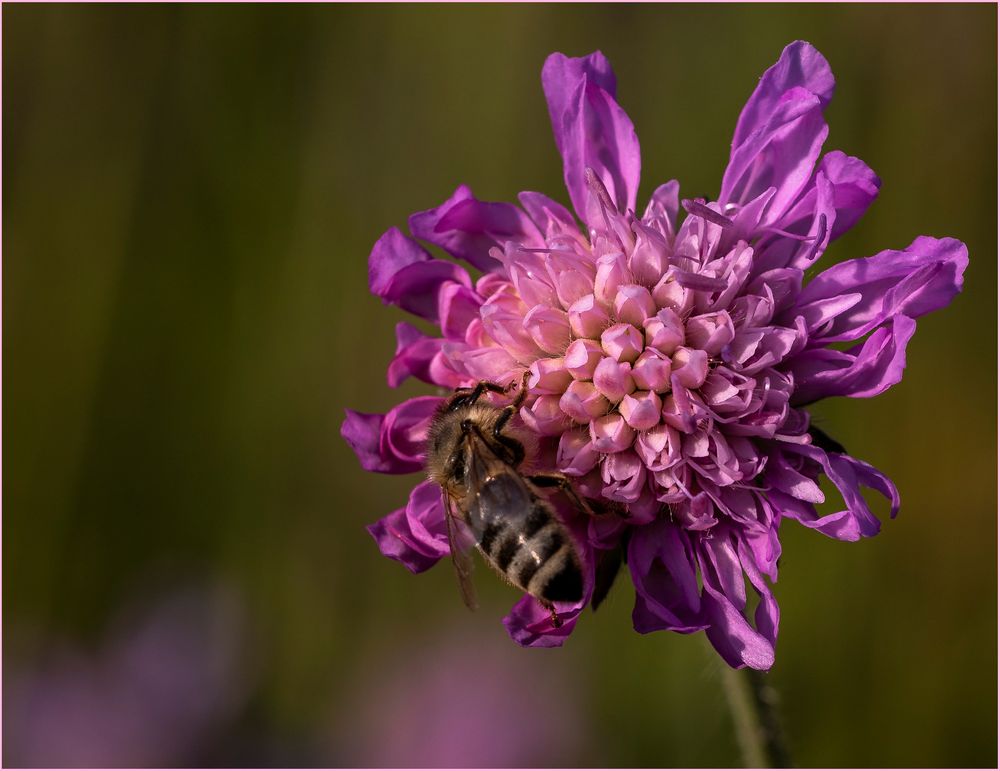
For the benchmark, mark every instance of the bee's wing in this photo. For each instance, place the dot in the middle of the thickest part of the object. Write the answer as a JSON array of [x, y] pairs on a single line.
[[460, 542]]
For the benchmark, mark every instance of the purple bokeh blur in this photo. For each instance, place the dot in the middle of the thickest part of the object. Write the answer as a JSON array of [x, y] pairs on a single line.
[[167, 674], [464, 697]]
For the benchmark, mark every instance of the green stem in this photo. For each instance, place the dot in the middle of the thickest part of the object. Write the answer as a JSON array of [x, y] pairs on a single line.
[[753, 702]]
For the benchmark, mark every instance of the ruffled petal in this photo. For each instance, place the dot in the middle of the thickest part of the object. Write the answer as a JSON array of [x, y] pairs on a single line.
[[416, 535], [865, 370], [458, 306], [361, 431], [403, 273], [404, 431], [848, 475], [415, 352], [764, 545], [488, 363], [663, 570], [840, 192], [917, 280], [591, 131], [391, 443], [468, 228], [723, 603], [855, 187], [661, 211], [391, 253], [780, 153], [783, 476], [530, 625], [550, 217], [799, 66], [804, 231], [767, 615]]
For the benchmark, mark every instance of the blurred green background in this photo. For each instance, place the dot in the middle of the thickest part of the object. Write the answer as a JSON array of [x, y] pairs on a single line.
[[190, 195]]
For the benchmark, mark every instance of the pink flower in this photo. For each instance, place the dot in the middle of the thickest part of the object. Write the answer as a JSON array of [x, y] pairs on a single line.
[[672, 359]]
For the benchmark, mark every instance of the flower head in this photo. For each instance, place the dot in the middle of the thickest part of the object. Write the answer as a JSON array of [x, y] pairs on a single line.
[[671, 355]]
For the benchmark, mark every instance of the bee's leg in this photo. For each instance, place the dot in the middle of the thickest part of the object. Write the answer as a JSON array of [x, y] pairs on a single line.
[[511, 445], [555, 479], [523, 393], [515, 447], [466, 396], [556, 621]]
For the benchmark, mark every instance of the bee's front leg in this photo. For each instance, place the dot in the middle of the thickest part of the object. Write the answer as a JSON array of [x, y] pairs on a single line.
[[522, 394], [468, 396], [556, 621]]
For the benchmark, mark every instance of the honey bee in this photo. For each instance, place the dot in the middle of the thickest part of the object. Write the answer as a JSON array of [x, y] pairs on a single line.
[[475, 455]]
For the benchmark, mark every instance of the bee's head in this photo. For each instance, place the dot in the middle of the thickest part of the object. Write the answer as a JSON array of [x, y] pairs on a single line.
[[447, 446]]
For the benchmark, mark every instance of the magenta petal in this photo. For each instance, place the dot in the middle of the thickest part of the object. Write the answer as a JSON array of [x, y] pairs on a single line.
[[781, 154], [530, 625], [800, 65], [391, 443], [723, 600], [808, 221], [739, 644], [720, 564], [417, 535], [488, 363], [855, 186], [865, 370], [664, 574], [649, 260], [560, 76], [662, 208], [591, 130], [550, 217], [764, 546], [414, 353], [840, 525], [403, 273], [416, 287], [404, 432], [848, 474], [781, 475], [468, 228], [458, 305], [767, 614], [391, 253], [361, 431], [917, 280]]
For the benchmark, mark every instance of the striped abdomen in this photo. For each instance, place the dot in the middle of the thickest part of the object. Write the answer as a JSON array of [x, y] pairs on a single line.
[[519, 534]]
